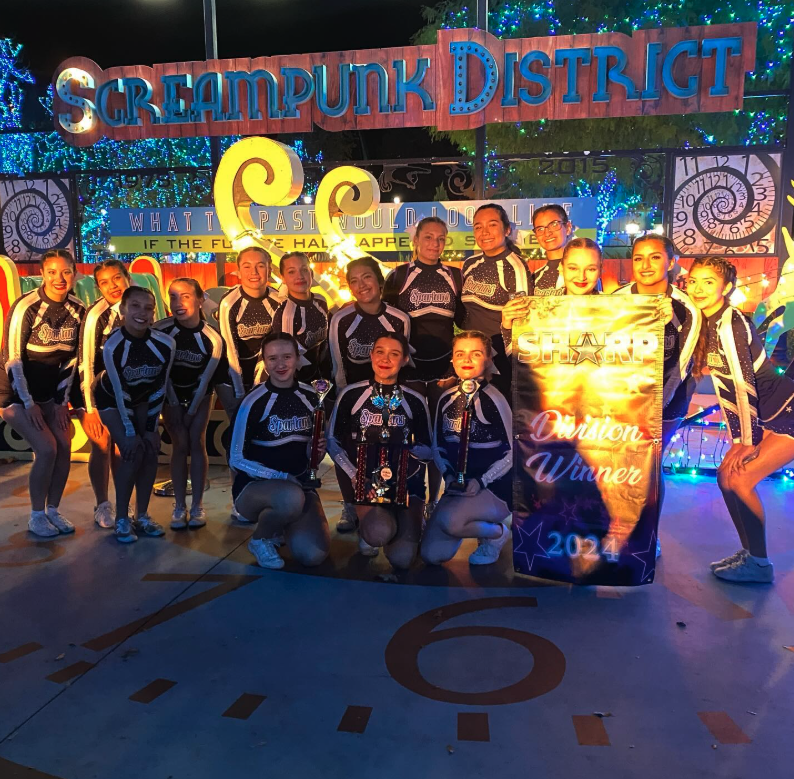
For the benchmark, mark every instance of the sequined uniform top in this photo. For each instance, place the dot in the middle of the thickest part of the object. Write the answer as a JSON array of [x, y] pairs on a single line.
[[680, 338], [272, 432], [490, 458], [548, 280], [307, 321], [430, 295], [100, 321], [199, 362], [487, 285], [351, 336], [136, 372], [751, 394], [40, 344], [244, 322], [365, 404]]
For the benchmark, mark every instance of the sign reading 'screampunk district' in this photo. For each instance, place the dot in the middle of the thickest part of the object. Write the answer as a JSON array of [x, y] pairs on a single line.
[[469, 78], [587, 425]]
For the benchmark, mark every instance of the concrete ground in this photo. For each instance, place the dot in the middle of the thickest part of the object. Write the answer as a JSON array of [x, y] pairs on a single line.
[[177, 657]]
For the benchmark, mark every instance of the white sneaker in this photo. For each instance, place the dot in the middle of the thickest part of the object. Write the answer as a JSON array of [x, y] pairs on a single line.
[[198, 517], [125, 534], [742, 553], [59, 521], [179, 518], [489, 549], [367, 550], [746, 570], [104, 516], [146, 525], [349, 520], [266, 554], [39, 524]]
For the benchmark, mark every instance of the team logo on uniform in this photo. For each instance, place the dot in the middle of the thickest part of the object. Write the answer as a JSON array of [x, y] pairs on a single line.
[[424, 298], [452, 425], [276, 426], [133, 375], [314, 337], [369, 419], [252, 331], [480, 288], [715, 360], [185, 355], [52, 335], [358, 350]]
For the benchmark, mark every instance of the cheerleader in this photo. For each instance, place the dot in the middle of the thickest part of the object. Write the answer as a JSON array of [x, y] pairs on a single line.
[[199, 360], [482, 510], [129, 396], [304, 316], [360, 411], [757, 405], [553, 230], [245, 316], [111, 279], [270, 450], [38, 361]]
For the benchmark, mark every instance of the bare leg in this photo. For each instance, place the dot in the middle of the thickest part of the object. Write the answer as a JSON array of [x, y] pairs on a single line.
[[147, 471], [99, 464], [275, 503], [199, 461], [377, 524], [174, 423], [125, 475], [63, 456], [308, 537], [401, 550]]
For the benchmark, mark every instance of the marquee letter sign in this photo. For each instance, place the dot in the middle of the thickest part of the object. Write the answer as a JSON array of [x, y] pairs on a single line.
[[467, 79]]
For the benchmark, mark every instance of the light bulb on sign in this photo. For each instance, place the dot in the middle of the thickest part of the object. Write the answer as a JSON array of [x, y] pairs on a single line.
[[632, 228], [111, 248], [396, 200], [307, 199], [658, 229]]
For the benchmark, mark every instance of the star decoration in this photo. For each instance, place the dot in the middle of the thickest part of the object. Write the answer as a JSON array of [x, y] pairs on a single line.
[[568, 512], [529, 544], [647, 558], [587, 349]]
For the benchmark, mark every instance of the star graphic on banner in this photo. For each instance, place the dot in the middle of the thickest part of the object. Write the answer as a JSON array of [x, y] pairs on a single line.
[[647, 558], [529, 544], [568, 512], [587, 349], [636, 382]]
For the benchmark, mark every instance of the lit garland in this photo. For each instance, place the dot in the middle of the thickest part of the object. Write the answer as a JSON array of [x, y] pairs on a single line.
[[611, 202], [12, 77]]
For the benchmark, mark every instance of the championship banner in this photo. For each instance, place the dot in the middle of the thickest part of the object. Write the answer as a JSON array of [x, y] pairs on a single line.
[[587, 429]]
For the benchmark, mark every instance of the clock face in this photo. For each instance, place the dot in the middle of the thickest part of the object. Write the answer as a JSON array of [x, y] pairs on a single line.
[[35, 216], [726, 204]]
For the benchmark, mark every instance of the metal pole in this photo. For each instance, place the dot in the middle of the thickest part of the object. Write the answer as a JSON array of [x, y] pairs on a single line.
[[786, 177], [480, 132]]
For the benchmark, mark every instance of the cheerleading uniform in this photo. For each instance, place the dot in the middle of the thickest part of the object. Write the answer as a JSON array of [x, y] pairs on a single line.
[[753, 396], [362, 406], [40, 345], [307, 322], [490, 454], [100, 321], [136, 372], [430, 295], [351, 336], [244, 322], [548, 280], [488, 283], [680, 338], [199, 363], [272, 431]]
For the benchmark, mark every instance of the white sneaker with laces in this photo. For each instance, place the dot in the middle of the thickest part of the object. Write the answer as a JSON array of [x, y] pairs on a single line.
[[746, 570], [125, 533], [489, 549], [146, 525], [59, 521], [198, 517], [179, 518], [348, 522], [367, 550], [39, 524], [266, 553], [728, 560], [104, 516]]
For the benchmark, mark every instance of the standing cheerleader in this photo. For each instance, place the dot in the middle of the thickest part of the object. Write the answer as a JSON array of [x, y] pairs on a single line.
[[111, 278], [360, 411], [481, 510], [304, 316], [553, 230], [757, 405], [270, 450], [199, 360], [38, 361], [129, 395]]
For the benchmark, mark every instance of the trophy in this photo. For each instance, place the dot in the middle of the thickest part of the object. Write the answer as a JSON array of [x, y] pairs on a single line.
[[321, 387], [468, 388]]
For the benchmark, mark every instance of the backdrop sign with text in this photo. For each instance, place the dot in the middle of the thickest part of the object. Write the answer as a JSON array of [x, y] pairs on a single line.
[[587, 426]]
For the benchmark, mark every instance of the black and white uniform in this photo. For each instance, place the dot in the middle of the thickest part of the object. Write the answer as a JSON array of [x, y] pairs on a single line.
[[351, 336], [548, 280], [100, 321], [199, 363], [488, 283], [40, 344], [355, 407], [272, 432], [490, 458], [430, 295], [680, 338], [753, 396], [244, 322], [307, 322], [136, 372]]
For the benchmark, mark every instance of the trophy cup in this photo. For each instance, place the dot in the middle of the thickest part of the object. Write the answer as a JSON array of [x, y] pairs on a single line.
[[468, 388], [321, 387]]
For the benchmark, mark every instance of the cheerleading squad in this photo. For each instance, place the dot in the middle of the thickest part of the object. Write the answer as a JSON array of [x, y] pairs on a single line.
[[420, 364]]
